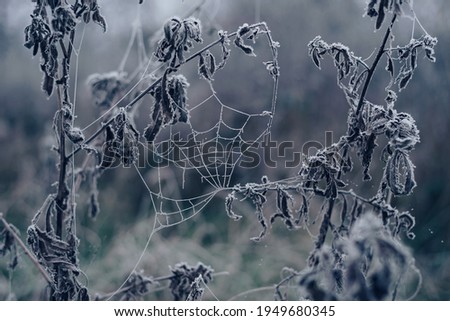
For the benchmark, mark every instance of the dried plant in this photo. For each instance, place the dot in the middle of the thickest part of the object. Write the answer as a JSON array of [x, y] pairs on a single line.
[[365, 259], [358, 252], [52, 236]]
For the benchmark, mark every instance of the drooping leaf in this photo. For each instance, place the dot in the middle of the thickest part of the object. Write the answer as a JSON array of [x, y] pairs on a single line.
[[413, 59], [224, 43], [178, 39], [381, 14], [315, 58], [399, 173], [404, 80], [390, 66], [365, 152], [239, 40], [229, 207]]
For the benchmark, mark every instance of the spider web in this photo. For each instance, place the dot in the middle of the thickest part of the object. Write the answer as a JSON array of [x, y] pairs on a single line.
[[204, 152], [191, 162]]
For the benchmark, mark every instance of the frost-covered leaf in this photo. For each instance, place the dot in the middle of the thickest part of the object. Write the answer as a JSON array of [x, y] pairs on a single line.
[[206, 65], [429, 43], [284, 211], [239, 40], [315, 58], [98, 19], [224, 44], [403, 79], [402, 132], [64, 19], [229, 207], [400, 173], [170, 104], [178, 39], [379, 8], [390, 66]]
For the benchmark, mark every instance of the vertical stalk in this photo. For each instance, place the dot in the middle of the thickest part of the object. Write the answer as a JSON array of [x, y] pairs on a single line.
[[61, 196], [61, 200], [63, 97], [331, 202], [374, 66]]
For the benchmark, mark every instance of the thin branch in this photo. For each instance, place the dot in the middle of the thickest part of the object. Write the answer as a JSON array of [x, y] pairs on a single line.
[[149, 280], [276, 77], [261, 289], [287, 279], [70, 50], [273, 186], [374, 66], [26, 250]]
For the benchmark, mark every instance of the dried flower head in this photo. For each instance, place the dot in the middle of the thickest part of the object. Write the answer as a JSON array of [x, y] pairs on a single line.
[[106, 88], [183, 279]]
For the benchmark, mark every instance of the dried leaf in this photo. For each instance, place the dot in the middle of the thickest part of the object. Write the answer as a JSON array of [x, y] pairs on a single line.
[[47, 84], [405, 221], [239, 41], [413, 59], [224, 42], [98, 19], [381, 14], [404, 80], [365, 152], [76, 135], [303, 210], [315, 58], [229, 207], [371, 11], [108, 152], [390, 66], [245, 48], [399, 173], [184, 275], [344, 210], [178, 37], [203, 69], [151, 131], [212, 63], [283, 198]]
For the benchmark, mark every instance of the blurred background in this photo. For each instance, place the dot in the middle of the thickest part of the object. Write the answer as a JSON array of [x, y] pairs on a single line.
[[309, 104]]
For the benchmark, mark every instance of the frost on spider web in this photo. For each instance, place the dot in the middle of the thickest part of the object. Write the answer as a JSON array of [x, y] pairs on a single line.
[[202, 154], [196, 141], [193, 141]]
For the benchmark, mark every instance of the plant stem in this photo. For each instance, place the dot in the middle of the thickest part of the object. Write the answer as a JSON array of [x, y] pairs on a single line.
[[327, 217], [374, 66], [62, 193], [63, 97]]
